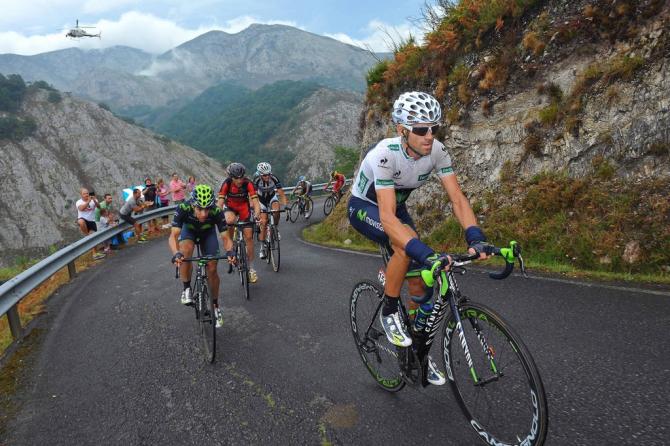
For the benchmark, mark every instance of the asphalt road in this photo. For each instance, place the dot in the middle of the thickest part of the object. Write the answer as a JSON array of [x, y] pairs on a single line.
[[121, 363]]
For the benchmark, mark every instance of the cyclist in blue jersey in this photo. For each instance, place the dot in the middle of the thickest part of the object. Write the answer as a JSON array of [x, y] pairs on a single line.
[[196, 222], [388, 174]]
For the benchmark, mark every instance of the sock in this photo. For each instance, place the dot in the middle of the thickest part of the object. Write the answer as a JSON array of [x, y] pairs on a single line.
[[390, 305], [187, 284]]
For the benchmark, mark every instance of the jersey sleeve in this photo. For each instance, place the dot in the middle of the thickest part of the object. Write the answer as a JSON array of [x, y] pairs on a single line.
[[223, 191], [383, 166], [277, 182], [179, 216], [251, 189], [220, 221], [442, 161]]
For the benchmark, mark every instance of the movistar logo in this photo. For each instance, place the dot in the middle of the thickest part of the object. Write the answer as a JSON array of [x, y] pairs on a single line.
[[361, 214]]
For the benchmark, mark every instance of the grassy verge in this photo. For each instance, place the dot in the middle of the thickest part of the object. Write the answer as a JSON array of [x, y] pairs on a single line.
[[598, 227]]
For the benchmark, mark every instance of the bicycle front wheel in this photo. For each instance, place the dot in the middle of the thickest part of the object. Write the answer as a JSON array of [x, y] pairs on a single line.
[[207, 325], [294, 211], [274, 253], [328, 205], [496, 382], [377, 353], [309, 208], [243, 267]]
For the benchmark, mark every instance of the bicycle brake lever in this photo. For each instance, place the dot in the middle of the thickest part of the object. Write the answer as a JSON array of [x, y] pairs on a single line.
[[522, 265]]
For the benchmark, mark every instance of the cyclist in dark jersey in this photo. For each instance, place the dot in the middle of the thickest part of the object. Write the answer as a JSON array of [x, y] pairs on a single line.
[[270, 192], [196, 222], [235, 196]]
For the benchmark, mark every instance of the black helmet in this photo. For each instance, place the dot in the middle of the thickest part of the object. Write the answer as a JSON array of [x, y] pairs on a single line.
[[236, 170]]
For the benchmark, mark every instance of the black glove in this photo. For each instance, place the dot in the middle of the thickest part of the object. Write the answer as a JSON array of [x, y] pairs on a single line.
[[177, 255], [482, 247]]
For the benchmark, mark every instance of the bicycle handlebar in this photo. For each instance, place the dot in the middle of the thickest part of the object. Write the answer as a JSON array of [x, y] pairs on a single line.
[[509, 254], [207, 258]]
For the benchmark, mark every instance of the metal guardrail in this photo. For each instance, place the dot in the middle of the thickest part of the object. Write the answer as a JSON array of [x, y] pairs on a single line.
[[16, 288]]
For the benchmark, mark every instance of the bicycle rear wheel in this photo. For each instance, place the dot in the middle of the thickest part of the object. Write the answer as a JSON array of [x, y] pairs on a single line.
[[377, 353], [497, 385], [328, 205], [308, 209], [294, 211], [274, 253], [207, 324]]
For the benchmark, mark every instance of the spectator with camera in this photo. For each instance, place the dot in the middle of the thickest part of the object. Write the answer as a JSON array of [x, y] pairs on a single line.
[[86, 207], [134, 203], [178, 189]]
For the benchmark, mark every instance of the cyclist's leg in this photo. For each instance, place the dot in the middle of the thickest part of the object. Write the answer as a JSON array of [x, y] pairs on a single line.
[[274, 204], [263, 222], [364, 217], [209, 245], [186, 245], [231, 218]]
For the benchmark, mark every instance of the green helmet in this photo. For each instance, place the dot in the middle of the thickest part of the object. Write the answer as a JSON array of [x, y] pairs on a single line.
[[202, 196]]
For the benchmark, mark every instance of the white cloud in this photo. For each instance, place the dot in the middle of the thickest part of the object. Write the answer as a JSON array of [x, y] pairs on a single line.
[[100, 6], [381, 36], [135, 29]]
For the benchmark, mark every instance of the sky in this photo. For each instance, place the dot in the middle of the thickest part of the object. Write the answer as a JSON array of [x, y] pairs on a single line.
[[35, 26]]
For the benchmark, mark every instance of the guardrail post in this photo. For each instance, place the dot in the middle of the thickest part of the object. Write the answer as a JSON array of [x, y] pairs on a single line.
[[14, 321], [72, 270]]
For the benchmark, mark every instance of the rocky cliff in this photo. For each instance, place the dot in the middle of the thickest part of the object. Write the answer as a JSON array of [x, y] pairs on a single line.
[[621, 116], [78, 144]]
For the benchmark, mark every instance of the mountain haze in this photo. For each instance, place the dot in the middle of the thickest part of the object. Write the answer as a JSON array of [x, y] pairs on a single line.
[[132, 81]]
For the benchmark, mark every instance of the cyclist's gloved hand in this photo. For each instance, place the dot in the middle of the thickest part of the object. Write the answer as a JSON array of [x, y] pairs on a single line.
[[477, 242], [177, 256]]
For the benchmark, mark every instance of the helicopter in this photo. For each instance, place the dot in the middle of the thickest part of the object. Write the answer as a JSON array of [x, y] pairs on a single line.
[[80, 31]]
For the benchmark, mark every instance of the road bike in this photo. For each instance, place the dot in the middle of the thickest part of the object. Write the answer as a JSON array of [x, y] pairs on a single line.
[[331, 202], [303, 205], [240, 250], [271, 242], [490, 370], [203, 304]]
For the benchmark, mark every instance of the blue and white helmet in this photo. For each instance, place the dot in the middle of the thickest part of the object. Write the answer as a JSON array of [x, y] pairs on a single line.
[[416, 107], [264, 168]]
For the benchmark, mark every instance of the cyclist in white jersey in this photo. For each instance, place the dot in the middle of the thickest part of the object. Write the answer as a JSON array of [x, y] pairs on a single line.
[[388, 174]]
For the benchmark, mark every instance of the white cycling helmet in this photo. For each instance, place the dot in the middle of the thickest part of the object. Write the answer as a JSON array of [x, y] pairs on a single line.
[[416, 107], [264, 168]]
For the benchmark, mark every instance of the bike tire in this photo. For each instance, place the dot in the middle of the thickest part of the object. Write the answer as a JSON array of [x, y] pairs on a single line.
[[243, 267], [267, 243], [308, 209], [275, 253], [509, 387], [328, 205], [294, 211], [379, 356], [207, 324]]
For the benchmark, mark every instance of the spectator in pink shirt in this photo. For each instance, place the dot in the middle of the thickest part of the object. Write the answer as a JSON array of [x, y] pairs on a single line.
[[190, 185], [178, 189]]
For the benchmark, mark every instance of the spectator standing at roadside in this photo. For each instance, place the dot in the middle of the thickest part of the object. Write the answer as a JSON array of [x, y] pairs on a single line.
[[112, 219], [86, 207], [190, 185], [104, 224], [178, 189], [150, 195], [163, 197], [134, 203]]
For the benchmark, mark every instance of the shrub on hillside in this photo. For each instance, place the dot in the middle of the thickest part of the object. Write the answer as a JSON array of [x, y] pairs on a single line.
[[12, 90]]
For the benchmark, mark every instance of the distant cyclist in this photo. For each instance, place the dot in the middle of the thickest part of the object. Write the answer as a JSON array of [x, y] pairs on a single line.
[[270, 193], [236, 196], [302, 187], [387, 176], [338, 180], [194, 222]]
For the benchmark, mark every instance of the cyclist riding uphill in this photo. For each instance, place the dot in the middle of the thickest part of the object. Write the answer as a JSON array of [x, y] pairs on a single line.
[[388, 174], [302, 187], [195, 222], [338, 180], [235, 196], [270, 192]]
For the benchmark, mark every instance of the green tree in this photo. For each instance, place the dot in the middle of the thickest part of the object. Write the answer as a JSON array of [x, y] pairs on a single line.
[[346, 159]]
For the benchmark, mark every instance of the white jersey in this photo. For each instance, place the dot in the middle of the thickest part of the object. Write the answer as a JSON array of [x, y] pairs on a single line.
[[388, 166]]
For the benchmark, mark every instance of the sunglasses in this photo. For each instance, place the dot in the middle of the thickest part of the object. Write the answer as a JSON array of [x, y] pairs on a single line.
[[423, 131]]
